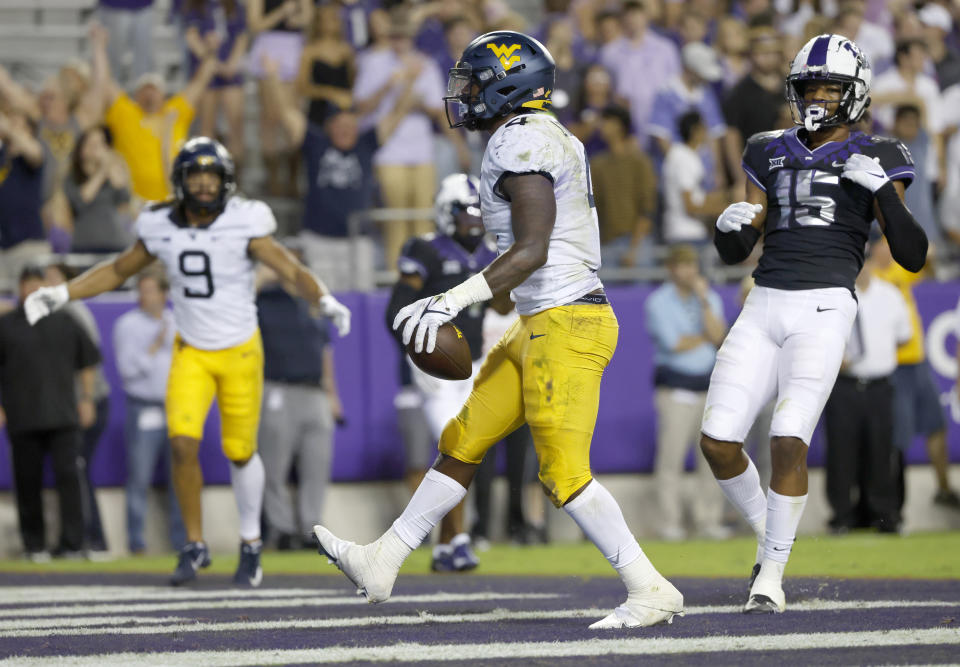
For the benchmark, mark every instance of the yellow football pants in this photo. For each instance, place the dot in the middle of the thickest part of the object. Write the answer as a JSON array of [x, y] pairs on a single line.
[[545, 371], [234, 376]]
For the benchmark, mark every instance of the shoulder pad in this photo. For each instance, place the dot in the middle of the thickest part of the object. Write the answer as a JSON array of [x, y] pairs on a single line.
[[893, 155], [252, 216], [764, 137], [159, 205], [757, 160]]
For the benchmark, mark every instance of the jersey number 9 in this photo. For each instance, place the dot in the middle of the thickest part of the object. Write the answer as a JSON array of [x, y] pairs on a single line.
[[196, 263]]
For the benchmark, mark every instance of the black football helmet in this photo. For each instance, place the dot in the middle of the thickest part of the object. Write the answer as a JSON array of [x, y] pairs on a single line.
[[498, 73], [203, 154]]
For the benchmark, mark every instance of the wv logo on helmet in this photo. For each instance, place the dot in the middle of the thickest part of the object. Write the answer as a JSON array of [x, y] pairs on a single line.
[[504, 53]]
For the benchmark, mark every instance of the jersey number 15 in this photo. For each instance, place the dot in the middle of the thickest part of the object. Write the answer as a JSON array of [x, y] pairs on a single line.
[[806, 198]]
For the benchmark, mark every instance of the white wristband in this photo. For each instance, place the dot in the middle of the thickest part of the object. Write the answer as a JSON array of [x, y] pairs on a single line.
[[472, 290]]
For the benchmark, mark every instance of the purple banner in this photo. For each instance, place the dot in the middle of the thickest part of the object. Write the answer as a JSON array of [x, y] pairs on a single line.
[[368, 447]]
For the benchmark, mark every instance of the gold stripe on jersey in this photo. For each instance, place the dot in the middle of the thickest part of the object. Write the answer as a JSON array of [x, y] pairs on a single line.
[[546, 370], [235, 376]]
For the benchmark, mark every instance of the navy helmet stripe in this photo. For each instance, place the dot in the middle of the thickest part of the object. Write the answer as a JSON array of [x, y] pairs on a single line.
[[818, 54]]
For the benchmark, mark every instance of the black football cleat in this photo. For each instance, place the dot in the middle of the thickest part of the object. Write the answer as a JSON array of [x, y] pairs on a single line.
[[193, 556], [249, 573], [761, 604]]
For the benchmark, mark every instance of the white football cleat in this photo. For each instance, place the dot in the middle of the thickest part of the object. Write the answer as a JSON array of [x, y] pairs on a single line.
[[658, 605], [373, 578], [766, 593]]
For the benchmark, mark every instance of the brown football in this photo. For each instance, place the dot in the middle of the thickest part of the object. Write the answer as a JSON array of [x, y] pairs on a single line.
[[450, 359]]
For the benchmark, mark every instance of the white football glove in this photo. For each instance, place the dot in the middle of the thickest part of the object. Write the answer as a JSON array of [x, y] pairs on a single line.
[[425, 316], [44, 301], [737, 215], [865, 171], [336, 311]]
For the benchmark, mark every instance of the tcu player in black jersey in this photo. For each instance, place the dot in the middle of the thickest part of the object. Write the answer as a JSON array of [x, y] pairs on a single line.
[[433, 264], [812, 193]]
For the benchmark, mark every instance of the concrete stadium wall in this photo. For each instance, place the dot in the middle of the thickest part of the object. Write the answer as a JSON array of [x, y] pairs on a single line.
[[361, 511]]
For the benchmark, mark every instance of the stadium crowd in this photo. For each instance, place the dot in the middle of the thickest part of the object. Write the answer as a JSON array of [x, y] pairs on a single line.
[[662, 93], [90, 144]]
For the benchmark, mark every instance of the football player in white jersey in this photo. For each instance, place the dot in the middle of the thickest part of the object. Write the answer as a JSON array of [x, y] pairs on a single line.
[[209, 241], [536, 198]]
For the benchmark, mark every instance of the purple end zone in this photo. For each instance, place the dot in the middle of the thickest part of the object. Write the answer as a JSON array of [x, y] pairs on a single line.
[[601, 594]]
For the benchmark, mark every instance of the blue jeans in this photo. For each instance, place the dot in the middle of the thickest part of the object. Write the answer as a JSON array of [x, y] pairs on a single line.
[[146, 443]]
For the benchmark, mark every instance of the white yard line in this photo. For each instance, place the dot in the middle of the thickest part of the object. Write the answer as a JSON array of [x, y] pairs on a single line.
[[47, 594], [87, 621], [518, 650], [54, 626], [174, 603]]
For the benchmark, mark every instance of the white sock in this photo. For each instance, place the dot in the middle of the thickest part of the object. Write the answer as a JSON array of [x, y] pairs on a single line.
[[639, 576], [436, 495], [771, 571], [783, 517], [600, 519], [459, 539], [746, 494], [391, 548], [248, 482]]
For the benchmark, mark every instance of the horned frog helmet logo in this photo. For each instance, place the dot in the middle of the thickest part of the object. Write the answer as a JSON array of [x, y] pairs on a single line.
[[505, 53]]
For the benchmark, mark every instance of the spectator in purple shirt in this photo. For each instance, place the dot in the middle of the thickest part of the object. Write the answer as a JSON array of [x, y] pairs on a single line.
[[641, 62], [431, 20], [227, 19], [458, 33], [596, 94], [276, 28], [608, 29], [340, 182], [691, 92], [560, 43], [130, 24], [405, 162], [22, 158], [358, 21]]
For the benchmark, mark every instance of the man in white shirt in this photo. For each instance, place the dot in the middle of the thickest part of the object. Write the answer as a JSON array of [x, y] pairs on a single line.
[[859, 412], [143, 342], [875, 40], [905, 83], [641, 61], [687, 206]]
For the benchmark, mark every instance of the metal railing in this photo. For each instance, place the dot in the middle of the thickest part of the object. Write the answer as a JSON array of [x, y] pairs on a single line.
[[365, 223]]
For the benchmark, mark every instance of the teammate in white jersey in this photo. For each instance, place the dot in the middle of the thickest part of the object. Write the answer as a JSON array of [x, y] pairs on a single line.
[[209, 241], [546, 370]]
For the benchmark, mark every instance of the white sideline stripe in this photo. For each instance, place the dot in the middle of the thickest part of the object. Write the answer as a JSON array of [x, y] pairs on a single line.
[[518, 650], [422, 618], [84, 621], [36, 594], [312, 601]]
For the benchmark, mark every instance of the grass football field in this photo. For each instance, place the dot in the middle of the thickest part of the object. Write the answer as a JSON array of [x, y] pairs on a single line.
[[858, 554]]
